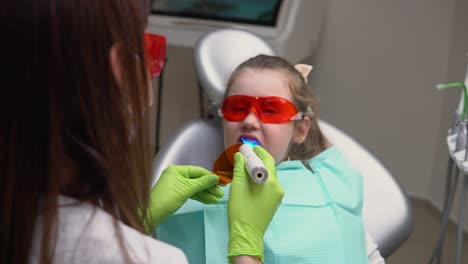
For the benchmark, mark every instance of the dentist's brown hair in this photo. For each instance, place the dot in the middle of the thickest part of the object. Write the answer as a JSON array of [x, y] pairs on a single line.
[[66, 126]]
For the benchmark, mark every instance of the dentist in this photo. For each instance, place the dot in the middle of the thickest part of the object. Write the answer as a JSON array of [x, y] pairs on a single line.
[[75, 154]]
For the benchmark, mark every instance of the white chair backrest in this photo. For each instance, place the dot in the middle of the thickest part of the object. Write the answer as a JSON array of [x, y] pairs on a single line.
[[386, 210], [219, 52]]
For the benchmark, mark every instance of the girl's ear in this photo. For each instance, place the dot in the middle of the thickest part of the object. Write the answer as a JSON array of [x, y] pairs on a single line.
[[301, 130]]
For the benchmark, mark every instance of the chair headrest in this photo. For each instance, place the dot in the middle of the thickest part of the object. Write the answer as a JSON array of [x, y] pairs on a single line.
[[219, 52]]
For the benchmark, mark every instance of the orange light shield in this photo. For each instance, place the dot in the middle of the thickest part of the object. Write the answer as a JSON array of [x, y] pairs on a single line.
[[224, 164]]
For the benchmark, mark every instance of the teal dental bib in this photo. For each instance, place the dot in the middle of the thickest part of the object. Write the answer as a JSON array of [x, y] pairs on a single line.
[[319, 220]]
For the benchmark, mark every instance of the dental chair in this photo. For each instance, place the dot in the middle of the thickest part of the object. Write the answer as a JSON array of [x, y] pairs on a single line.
[[387, 212]]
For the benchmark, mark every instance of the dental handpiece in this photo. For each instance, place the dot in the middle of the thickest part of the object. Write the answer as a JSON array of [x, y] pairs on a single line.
[[253, 164]]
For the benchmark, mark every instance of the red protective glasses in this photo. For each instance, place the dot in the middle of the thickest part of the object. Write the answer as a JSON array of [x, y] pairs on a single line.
[[269, 109], [155, 48]]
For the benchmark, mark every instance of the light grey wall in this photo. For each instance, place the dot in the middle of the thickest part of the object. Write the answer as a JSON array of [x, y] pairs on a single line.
[[375, 75], [180, 102], [376, 72]]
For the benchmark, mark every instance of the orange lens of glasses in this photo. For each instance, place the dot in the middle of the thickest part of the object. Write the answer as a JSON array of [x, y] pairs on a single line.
[[269, 109], [155, 48]]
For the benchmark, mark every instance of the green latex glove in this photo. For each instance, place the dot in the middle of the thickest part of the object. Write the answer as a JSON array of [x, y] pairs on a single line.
[[251, 206], [176, 185]]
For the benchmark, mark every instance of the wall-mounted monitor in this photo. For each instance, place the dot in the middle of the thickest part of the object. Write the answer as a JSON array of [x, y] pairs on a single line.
[[291, 27]]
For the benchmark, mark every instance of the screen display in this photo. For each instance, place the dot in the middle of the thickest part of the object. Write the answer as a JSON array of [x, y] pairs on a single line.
[[256, 12]]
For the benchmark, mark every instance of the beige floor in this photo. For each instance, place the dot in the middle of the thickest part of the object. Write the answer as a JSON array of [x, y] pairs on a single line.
[[419, 246]]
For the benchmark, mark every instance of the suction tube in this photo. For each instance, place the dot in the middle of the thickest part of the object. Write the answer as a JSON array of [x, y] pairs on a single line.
[[253, 164]]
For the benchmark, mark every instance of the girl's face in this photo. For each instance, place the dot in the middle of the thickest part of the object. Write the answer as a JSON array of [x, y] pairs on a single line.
[[275, 138]]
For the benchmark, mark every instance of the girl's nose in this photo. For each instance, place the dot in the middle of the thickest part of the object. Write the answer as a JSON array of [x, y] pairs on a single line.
[[252, 120], [254, 111]]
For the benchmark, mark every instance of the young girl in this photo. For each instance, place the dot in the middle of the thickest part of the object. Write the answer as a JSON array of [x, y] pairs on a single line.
[[320, 218]]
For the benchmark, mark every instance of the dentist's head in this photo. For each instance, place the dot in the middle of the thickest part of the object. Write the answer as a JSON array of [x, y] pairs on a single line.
[[73, 73]]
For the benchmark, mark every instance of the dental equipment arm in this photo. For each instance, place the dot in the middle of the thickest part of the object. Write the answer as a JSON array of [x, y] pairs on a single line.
[[459, 131], [460, 112]]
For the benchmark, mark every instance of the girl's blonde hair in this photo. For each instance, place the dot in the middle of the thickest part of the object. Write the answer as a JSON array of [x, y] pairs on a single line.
[[303, 97]]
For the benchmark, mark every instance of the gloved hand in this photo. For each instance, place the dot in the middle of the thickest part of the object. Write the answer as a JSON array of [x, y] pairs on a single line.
[[251, 206], [176, 184]]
